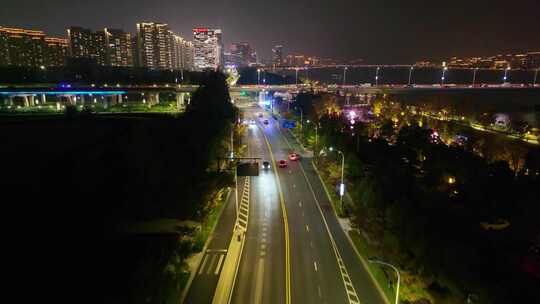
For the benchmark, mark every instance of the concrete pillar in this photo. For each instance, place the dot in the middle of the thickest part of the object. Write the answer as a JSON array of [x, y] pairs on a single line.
[[10, 100], [25, 100], [157, 98], [43, 98], [82, 99], [71, 99], [120, 100], [180, 101], [58, 106], [31, 100]]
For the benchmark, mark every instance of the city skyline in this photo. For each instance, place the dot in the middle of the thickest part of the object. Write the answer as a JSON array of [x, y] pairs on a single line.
[[346, 30]]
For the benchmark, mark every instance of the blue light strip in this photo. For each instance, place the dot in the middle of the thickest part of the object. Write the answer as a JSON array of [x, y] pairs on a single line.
[[64, 93]]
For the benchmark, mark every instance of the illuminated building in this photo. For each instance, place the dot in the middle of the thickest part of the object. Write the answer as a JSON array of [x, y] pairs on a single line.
[[20, 47], [188, 51], [208, 48], [83, 43], [154, 45], [182, 53], [241, 54], [118, 48], [56, 51], [277, 55]]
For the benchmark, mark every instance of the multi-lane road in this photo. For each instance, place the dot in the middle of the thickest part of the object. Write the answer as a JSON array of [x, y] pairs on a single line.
[[295, 250]]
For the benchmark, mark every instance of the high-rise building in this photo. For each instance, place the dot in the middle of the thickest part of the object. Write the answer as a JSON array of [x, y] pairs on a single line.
[[154, 45], [56, 51], [118, 48], [241, 54], [83, 43], [188, 51], [208, 48], [20, 47], [182, 53], [277, 55]]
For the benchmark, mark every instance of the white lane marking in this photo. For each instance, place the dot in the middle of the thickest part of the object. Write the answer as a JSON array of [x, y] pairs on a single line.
[[263, 246], [219, 264], [319, 291], [211, 263], [259, 284], [307, 228], [311, 244], [300, 204], [203, 263], [216, 250], [351, 295], [302, 213], [294, 185], [315, 265], [263, 240]]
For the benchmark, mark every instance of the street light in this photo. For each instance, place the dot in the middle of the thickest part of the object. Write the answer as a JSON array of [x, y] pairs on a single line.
[[474, 76], [535, 76], [296, 77], [506, 74], [258, 76], [395, 269], [377, 76], [344, 74], [443, 73], [410, 75], [342, 185]]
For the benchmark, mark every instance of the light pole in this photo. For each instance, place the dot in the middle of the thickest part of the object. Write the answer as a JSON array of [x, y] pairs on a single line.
[[342, 185], [474, 76], [296, 77], [344, 74], [506, 74], [301, 122], [535, 76], [377, 76], [235, 174], [316, 136], [443, 73], [410, 75], [258, 76], [397, 272]]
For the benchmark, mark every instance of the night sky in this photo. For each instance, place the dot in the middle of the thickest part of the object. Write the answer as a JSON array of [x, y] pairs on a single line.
[[379, 31]]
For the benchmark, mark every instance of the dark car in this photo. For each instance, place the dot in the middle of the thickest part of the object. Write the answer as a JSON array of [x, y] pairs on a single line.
[[265, 121], [266, 165]]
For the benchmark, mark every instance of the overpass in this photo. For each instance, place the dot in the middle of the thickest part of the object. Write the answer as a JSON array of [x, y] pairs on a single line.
[[31, 95]]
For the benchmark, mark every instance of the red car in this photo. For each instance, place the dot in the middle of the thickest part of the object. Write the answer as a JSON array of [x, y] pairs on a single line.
[[282, 163], [294, 156]]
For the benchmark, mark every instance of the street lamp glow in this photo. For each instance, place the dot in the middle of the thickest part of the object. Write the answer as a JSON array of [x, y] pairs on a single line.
[[410, 75], [506, 73], [474, 76], [443, 73]]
